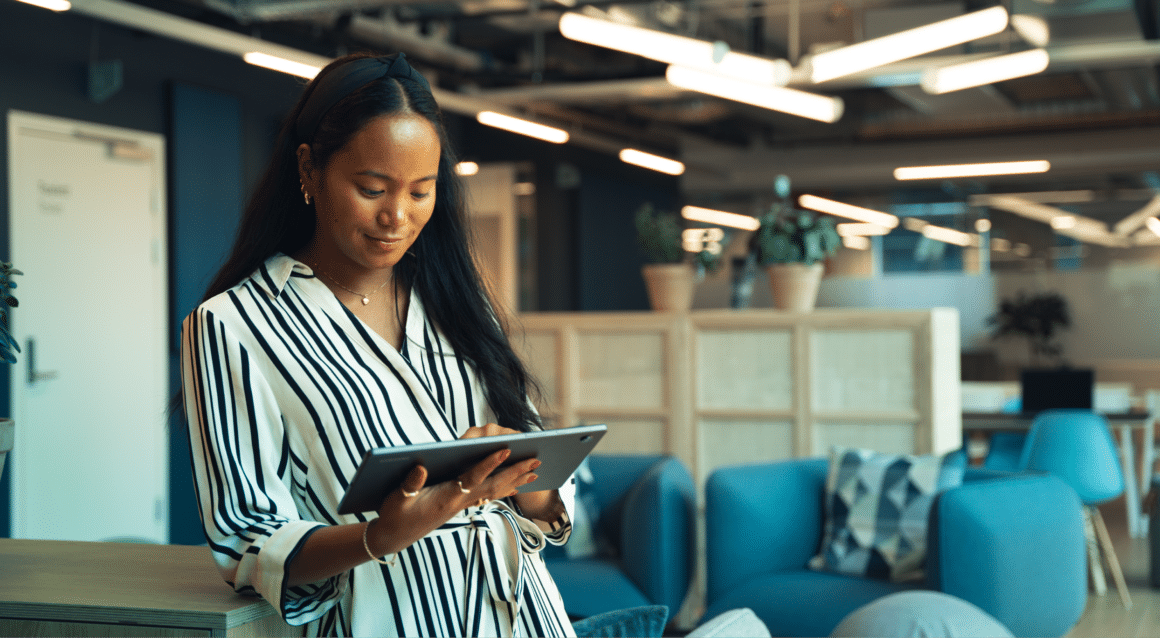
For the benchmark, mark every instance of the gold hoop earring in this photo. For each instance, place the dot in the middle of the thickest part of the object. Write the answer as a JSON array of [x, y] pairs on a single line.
[[305, 195]]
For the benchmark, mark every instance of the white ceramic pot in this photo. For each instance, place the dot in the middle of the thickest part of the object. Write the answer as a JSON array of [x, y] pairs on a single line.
[[7, 439], [795, 286], [670, 286]]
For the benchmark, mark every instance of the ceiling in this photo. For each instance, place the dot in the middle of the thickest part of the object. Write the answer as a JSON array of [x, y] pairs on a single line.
[[1095, 112]]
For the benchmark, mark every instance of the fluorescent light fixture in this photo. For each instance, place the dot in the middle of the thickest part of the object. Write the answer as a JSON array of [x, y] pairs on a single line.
[[955, 77], [466, 169], [983, 225], [857, 213], [51, 5], [777, 98], [861, 229], [650, 161], [1135, 220], [1153, 225], [907, 44], [914, 224], [720, 217], [1033, 29], [713, 57], [947, 235], [275, 63], [857, 242], [971, 170], [1063, 222], [523, 127]]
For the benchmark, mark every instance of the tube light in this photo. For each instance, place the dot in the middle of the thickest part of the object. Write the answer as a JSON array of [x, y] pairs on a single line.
[[281, 64], [861, 229], [857, 242], [523, 127], [971, 170], [51, 5], [857, 213], [1032, 28], [792, 101], [947, 235], [1153, 225], [654, 162], [907, 44], [1063, 222], [720, 217], [713, 57], [986, 71], [466, 169], [1136, 219]]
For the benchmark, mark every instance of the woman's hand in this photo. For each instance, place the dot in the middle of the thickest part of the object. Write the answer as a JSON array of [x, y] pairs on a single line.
[[543, 505], [416, 509]]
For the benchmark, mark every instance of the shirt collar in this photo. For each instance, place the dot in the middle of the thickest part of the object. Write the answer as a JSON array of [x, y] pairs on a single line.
[[278, 270]]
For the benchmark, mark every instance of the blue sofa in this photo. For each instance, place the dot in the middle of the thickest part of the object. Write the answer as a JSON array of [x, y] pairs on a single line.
[[1011, 544], [644, 509]]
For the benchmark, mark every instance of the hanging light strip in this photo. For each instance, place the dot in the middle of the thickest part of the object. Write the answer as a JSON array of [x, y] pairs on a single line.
[[714, 57], [720, 217], [821, 204], [948, 235], [51, 5], [275, 63], [650, 161], [776, 98], [860, 229], [907, 44], [1153, 225], [986, 71], [971, 170], [523, 127]]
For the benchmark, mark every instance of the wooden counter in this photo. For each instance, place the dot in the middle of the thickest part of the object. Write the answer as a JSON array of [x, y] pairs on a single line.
[[61, 588]]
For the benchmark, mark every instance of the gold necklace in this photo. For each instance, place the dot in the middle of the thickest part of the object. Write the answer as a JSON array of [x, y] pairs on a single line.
[[366, 299]]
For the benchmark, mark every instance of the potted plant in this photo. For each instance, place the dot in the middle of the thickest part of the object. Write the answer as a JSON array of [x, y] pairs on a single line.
[[792, 244], [670, 271], [8, 350], [1037, 318]]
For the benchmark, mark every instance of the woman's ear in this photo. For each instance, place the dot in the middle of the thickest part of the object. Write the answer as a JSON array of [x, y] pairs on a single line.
[[305, 166]]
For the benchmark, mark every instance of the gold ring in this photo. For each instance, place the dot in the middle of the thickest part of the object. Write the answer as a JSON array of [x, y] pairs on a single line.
[[463, 489], [409, 494]]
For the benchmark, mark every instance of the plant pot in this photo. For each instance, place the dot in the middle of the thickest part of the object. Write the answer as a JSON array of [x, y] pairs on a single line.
[[7, 438], [794, 286], [670, 286]]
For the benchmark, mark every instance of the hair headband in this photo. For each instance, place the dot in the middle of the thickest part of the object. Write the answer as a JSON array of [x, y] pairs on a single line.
[[347, 79]]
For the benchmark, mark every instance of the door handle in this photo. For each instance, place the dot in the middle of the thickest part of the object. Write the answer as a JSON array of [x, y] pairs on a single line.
[[30, 356]]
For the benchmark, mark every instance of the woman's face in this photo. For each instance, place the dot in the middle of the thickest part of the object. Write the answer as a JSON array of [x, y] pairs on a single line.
[[376, 194]]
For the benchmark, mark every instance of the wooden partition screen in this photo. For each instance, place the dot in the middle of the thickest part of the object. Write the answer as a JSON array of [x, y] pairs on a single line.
[[721, 387]]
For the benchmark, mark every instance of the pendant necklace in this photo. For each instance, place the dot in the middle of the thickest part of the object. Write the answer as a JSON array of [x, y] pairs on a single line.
[[366, 299]]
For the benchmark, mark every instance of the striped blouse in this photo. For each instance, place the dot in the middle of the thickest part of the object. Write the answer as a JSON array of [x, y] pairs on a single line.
[[285, 390]]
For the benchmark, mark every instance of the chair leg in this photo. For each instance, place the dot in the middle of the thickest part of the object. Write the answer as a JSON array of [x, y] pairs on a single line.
[[1110, 555], [1095, 567]]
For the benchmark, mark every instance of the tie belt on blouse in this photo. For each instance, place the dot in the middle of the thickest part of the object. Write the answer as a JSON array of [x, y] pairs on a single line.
[[502, 558]]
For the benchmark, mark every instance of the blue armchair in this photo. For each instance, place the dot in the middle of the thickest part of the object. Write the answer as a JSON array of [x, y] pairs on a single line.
[[642, 509], [1011, 544]]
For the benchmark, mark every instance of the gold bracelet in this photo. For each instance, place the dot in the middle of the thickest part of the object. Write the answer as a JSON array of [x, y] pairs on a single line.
[[367, 546]]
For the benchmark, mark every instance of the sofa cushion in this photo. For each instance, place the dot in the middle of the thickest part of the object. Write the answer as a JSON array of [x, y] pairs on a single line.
[[876, 511], [593, 586], [819, 600], [638, 622]]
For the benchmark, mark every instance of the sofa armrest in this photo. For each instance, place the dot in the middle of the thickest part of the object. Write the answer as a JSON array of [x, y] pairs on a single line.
[[657, 533], [761, 518], [1013, 546]]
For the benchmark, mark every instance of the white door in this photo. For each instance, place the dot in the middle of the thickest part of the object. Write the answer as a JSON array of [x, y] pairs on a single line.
[[87, 228]]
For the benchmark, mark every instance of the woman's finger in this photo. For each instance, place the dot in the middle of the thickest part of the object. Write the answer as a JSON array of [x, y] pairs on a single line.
[[480, 471], [414, 482]]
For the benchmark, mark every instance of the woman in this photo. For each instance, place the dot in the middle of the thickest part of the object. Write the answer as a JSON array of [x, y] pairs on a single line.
[[350, 316]]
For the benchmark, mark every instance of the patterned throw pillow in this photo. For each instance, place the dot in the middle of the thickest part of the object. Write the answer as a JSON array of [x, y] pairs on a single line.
[[877, 507]]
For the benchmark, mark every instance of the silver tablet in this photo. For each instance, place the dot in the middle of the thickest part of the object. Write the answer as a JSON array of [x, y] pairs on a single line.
[[383, 469]]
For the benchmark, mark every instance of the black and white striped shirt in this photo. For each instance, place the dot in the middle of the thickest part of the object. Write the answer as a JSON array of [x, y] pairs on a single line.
[[285, 390]]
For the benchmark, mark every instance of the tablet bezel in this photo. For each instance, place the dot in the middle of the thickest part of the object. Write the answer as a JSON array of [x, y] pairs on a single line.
[[383, 469]]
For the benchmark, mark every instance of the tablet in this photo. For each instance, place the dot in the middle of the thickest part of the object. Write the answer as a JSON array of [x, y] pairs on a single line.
[[383, 469]]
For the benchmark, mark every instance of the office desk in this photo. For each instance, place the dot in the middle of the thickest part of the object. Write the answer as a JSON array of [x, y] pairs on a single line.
[[63, 588], [1121, 423]]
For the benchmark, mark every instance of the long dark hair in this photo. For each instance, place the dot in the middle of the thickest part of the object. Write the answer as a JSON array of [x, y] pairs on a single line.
[[442, 271]]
